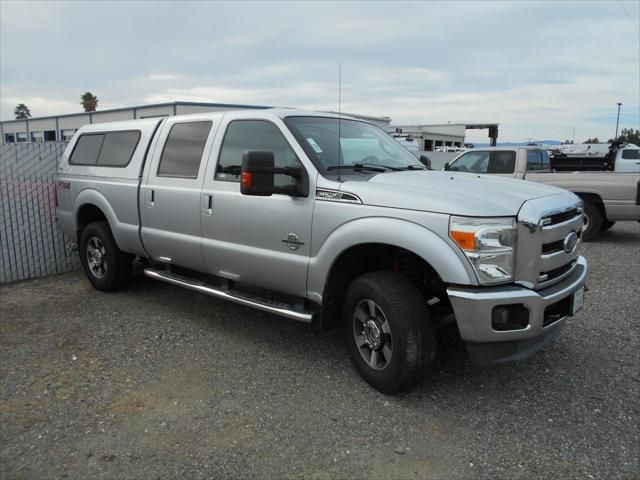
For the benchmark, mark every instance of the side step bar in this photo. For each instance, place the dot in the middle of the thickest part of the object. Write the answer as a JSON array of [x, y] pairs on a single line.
[[197, 286]]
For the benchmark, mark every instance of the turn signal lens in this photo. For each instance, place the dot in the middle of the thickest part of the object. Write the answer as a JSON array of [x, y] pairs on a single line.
[[465, 240], [247, 179], [489, 245]]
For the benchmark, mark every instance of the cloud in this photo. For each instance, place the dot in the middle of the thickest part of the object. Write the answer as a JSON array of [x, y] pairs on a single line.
[[541, 69]]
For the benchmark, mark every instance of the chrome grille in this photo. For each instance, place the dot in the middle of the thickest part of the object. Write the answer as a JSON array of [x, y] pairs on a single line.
[[544, 227]]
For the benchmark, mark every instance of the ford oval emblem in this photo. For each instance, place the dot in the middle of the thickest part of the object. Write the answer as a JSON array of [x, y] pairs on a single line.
[[570, 242]]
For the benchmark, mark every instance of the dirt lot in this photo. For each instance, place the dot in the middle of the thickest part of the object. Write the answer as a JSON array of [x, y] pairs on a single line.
[[160, 382]]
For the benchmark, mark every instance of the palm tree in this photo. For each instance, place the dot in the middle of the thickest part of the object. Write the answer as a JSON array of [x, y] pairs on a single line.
[[89, 101], [22, 111]]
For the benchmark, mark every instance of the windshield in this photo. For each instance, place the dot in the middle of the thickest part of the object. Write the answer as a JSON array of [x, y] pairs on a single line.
[[362, 146]]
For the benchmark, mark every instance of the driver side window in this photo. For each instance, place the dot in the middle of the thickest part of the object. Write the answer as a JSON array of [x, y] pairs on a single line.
[[244, 135], [474, 162]]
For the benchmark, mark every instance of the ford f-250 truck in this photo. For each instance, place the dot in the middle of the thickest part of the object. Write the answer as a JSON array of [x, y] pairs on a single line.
[[608, 196], [329, 220]]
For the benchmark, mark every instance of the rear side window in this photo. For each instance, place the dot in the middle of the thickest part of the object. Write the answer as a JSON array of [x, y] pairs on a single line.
[[537, 160], [183, 150], [111, 149], [117, 148], [502, 162], [629, 154], [86, 150]]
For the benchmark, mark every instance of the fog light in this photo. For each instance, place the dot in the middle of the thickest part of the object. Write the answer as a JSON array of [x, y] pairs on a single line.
[[510, 317]]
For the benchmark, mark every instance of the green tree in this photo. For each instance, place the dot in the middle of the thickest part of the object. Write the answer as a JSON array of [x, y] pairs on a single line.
[[22, 111], [592, 140], [89, 101], [629, 135], [568, 142]]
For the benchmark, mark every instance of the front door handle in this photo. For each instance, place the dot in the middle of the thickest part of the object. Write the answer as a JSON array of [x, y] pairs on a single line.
[[207, 204], [151, 198]]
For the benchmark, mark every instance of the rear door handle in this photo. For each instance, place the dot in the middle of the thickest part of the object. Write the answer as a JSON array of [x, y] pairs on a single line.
[[207, 204], [151, 198]]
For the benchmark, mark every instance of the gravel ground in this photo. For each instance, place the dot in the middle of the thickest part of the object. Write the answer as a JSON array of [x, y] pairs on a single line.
[[160, 382]]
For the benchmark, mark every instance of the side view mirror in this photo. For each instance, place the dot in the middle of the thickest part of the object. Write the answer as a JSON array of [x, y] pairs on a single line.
[[426, 161], [256, 175], [447, 166], [258, 172]]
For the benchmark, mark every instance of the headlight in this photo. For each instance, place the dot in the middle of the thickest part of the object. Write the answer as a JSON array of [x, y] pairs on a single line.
[[488, 243]]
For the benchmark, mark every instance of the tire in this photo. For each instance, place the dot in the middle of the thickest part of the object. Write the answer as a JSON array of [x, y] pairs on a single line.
[[592, 222], [105, 265], [386, 314], [606, 225]]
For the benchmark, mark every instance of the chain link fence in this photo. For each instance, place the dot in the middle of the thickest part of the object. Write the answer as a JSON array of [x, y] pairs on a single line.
[[30, 242]]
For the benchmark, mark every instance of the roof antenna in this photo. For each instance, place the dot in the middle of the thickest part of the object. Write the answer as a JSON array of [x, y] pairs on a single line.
[[339, 118]]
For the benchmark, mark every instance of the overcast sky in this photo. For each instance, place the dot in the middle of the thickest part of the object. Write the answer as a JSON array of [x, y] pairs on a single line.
[[540, 69]]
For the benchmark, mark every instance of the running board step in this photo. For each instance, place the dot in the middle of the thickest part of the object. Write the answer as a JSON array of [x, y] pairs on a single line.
[[198, 286]]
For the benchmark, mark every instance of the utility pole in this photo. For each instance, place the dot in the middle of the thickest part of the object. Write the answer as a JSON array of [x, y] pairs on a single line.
[[618, 120]]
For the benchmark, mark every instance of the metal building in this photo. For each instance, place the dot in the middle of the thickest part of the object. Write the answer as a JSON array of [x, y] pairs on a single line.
[[62, 127], [444, 136]]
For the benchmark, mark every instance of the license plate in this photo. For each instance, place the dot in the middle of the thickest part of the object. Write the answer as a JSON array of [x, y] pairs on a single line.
[[578, 301]]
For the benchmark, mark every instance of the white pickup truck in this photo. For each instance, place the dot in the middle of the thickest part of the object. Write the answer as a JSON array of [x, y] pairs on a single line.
[[608, 196], [328, 220]]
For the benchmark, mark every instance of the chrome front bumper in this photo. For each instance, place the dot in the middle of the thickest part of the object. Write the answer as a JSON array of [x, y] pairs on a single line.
[[473, 308]]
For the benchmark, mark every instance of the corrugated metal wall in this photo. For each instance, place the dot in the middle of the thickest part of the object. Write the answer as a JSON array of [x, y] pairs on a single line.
[[31, 244]]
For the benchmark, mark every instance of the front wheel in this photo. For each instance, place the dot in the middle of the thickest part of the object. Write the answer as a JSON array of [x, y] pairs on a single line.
[[388, 330], [105, 265], [606, 225], [592, 221]]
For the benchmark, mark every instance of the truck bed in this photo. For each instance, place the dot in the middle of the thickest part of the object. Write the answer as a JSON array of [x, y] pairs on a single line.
[[574, 163], [619, 192]]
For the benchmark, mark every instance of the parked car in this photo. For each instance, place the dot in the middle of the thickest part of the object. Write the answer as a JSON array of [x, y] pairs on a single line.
[[326, 219], [608, 196]]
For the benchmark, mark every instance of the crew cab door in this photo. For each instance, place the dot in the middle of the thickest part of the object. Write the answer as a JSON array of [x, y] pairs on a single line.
[[264, 241], [170, 193]]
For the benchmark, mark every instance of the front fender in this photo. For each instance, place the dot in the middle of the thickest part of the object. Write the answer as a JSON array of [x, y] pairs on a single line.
[[450, 264]]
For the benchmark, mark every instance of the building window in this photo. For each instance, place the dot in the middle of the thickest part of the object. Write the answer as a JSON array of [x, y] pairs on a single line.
[[22, 137], [183, 150], [67, 134], [49, 135], [9, 138], [458, 144], [447, 144], [37, 137]]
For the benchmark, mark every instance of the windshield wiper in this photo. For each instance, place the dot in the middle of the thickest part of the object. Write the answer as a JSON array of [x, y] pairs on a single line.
[[413, 167], [357, 167], [372, 167]]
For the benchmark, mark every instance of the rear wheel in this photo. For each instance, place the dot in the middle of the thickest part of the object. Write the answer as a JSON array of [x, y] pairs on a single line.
[[388, 330], [606, 225], [592, 222], [105, 265]]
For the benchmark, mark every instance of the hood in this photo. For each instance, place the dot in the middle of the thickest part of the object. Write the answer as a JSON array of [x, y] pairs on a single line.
[[452, 193]]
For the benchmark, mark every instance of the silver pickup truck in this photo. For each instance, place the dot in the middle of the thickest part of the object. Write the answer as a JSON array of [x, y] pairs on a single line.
[[608, 196], [327, 220]]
